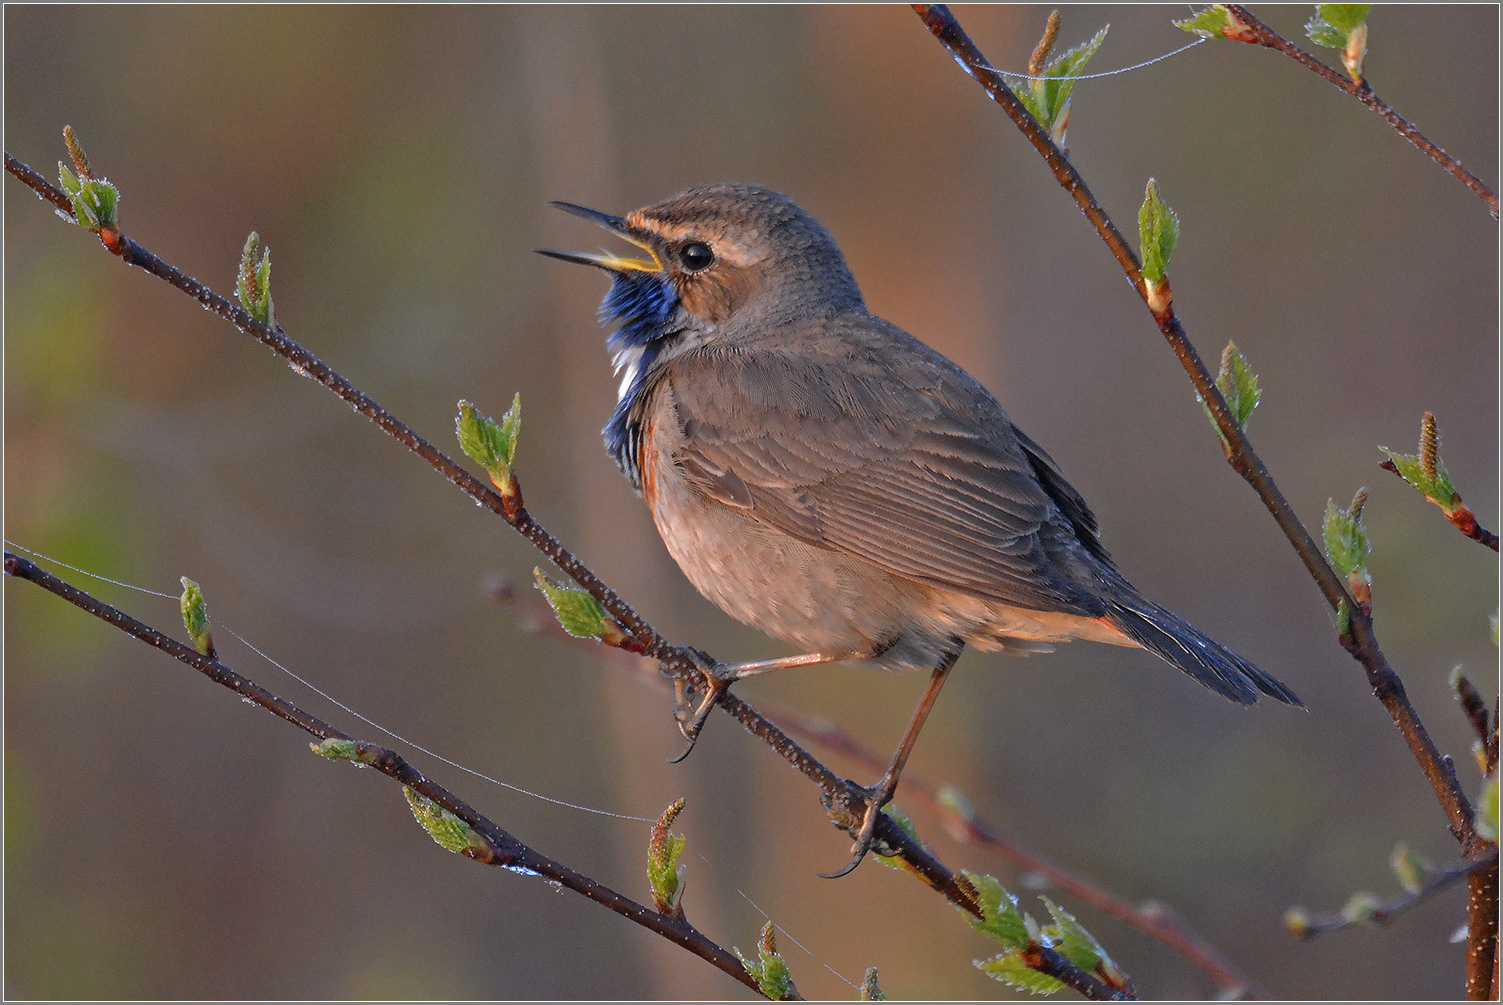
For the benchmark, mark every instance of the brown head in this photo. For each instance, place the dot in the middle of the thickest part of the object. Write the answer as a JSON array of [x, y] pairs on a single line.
[[728, 250]]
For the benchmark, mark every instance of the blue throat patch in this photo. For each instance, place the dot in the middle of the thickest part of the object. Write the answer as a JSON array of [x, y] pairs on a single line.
[[639, 306]]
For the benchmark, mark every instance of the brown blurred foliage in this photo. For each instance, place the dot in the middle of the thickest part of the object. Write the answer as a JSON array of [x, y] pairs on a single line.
[[164, 840]]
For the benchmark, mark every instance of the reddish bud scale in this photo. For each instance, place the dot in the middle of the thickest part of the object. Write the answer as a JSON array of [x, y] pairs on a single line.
[[511, 494], [1239, 30], [1159, 297]]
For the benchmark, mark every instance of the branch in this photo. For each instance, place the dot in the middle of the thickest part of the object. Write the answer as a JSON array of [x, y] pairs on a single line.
[[1474, 707], [501, 848], [845, 801], [1363, 909], [1154, 920], [1259, 33], [965, 825], [1461, 516], [1360, 640]]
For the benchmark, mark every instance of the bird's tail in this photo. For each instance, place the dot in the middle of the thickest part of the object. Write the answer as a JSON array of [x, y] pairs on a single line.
[[1167, 635]]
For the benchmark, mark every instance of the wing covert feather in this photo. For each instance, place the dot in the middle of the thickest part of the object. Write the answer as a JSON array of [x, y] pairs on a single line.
[[903, 466]]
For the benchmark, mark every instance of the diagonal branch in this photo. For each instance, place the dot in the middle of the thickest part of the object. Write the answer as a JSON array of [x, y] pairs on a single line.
[[844, 800], [1361, 641], [1259, 33], [965, 825], [1383, 912], [501, 849], [1154, 920]]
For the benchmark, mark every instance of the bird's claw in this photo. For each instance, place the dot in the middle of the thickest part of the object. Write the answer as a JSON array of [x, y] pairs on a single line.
[[874, 802], [691, 720]]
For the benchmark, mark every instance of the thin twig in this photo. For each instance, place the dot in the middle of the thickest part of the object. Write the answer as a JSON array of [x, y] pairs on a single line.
[[1361, 642], [503, 849], [1384, 912], [1154, 920], [1461, 517], [1260, 34], [1474, 707]]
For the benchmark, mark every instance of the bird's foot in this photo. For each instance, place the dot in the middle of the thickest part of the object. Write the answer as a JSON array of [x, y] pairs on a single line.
[[691, 719], [877, 797]]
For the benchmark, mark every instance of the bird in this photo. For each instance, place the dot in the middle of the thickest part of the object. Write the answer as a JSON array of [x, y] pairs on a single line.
[[823, 475]]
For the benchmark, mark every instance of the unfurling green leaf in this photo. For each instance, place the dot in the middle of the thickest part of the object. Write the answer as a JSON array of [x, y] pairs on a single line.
[[1346, 540], [196, 617], [1047, 95], [253, 282], [1408, 867], [1425, 470], [1238, 386], [579, 613], [1080, 946], [1486, 818], [337, 749], [664, 873], [770, 970], [871, 991], [1158, 233], [451, 833], [1333, 22], [1010, 968], [94, 201], [1000, 918], [489, 443], [1213, 20], [1347, 549], [1342, 26], [66, 180]]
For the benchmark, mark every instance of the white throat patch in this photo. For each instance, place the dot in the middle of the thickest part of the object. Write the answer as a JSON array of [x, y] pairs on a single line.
[[629, 360]]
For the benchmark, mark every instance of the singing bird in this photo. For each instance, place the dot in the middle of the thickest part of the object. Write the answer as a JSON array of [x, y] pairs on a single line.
[[825, 476]]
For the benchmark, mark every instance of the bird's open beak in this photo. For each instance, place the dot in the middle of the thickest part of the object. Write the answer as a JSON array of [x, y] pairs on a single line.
[[609, 262]]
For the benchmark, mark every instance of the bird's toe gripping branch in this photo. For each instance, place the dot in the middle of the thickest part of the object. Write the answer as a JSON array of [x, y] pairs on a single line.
[[691, 718]]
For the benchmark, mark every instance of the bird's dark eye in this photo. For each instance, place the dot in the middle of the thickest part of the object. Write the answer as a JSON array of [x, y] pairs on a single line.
[[696, 256]]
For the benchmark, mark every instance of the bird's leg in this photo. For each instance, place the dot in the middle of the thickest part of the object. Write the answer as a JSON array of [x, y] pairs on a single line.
[[880, 794], [718, 677]]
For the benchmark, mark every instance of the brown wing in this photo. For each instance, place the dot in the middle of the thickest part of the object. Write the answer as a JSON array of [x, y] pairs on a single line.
[[884, 450]]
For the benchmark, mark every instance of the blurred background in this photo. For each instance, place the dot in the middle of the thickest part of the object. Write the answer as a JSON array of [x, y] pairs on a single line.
[[163, 839]]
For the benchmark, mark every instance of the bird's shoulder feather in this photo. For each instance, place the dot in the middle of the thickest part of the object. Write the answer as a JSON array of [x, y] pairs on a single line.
[[851, 435]]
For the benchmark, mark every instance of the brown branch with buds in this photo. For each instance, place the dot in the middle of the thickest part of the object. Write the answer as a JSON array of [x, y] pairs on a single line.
[[961, 821], [1365, 909], [1358, 638], [1254, 32], [843, 800], [495, 846], [1427, 474]]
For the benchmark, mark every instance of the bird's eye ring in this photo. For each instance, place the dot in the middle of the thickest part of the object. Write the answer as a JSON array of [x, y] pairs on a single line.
[[696, 256]]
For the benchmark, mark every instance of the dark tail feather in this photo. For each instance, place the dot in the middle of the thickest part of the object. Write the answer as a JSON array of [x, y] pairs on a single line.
[[1170, 637]]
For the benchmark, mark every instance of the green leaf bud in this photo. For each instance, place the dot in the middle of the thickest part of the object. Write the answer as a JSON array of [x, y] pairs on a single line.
[[1158, 234], [664, 873], [770, 970], [491, 444], [451, 833], [196, 617]]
